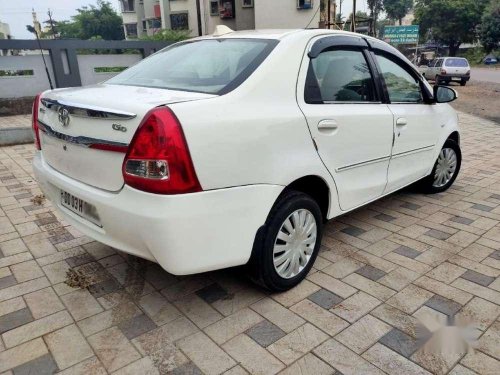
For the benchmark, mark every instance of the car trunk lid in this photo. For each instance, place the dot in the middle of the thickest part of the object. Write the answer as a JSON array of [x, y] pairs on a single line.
[[86, 131]]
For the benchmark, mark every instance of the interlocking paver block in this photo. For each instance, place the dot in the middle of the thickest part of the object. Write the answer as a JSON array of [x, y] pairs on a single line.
[[407, 252], [321, 318], [477, 277], [233, 325], [400, 342], [44, 365], [205, 354], [212, 293], [363, 334], [113, 349], [325, 299], [136, 326], [297, 343], [15, 319], [371, 273], [265, 333]]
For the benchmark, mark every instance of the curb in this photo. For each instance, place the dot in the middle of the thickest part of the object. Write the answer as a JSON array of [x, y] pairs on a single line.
[[15, 136]]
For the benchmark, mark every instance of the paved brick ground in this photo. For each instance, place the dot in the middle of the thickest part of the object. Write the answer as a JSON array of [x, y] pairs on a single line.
[[389, 279]]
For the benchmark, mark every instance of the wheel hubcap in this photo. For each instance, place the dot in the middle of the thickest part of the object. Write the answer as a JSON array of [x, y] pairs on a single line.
[[294, 244], [445, 167]]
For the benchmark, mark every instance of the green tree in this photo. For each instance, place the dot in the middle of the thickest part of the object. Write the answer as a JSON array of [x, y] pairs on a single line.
[[451, 22], [489, 30], [397, 9], [99, 20], [375, 7]]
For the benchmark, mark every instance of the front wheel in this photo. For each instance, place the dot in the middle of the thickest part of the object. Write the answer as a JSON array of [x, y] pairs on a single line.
[[287, 245], [463, 83], [445, 169]]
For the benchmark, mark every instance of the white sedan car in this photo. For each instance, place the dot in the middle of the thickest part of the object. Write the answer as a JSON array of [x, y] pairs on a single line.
[[235, 149]]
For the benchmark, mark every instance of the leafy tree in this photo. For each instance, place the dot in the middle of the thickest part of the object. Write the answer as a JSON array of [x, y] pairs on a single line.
[[397, 9], [451, 22], [93, 21], [489, 31], [375, 7]]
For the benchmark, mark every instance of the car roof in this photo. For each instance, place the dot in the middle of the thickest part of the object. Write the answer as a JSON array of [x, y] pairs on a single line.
[[280, 34]]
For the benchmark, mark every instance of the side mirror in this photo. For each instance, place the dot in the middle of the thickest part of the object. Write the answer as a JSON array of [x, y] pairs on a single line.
[[444, 94]]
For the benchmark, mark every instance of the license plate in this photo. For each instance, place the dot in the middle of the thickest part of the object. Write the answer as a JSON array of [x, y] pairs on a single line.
[[80, 207]]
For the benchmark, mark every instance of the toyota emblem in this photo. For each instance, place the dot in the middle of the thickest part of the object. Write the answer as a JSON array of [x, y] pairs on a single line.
[[63, 115]]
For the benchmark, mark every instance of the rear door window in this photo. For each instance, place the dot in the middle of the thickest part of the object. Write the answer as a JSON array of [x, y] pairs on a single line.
[[212, 66], [339, 75]]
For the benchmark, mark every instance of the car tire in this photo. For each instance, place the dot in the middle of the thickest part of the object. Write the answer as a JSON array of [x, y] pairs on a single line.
[[434, 183], [265, 267], [463, 83], [436, 79]]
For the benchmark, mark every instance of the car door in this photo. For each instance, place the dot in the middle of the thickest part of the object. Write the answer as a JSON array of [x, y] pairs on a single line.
[[416, 123], [351, 128]]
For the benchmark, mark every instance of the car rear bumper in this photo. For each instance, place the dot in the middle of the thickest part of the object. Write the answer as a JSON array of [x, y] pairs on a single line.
[[451, 77], [185, 234]]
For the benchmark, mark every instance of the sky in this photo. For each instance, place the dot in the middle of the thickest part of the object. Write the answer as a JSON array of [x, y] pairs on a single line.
[[17, 13]]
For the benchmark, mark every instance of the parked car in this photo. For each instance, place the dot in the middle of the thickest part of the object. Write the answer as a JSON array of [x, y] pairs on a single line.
[[490, 60], [447, 69], [234, 149]]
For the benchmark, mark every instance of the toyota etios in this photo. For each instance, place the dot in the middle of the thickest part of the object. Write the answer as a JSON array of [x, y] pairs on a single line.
[[235, 148]]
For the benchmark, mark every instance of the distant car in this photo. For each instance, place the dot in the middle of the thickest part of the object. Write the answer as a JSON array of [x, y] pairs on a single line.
[[447, 69], [232, 149], [490, 60]]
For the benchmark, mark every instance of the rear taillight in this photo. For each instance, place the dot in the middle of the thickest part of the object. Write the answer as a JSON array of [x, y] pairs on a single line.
[[158, 159], [34, 122], [443, 71]]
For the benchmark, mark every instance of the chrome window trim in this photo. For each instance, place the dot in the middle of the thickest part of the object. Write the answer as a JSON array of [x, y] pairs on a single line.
[[87, 111], [82, 141]]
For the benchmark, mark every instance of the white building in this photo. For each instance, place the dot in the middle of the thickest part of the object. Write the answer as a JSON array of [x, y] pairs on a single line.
[[145, 17]]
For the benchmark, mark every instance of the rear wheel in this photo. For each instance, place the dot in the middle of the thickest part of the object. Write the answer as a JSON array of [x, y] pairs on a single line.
[[445, 169], [287, 245]]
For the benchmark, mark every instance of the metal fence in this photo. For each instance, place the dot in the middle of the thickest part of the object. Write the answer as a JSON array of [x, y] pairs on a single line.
[[24, 75]]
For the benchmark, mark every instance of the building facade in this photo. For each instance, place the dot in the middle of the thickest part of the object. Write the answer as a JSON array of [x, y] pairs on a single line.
[[200, 17]]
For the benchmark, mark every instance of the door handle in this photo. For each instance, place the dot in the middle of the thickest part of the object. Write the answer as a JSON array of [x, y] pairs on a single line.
[[401, 121], [327, 125]]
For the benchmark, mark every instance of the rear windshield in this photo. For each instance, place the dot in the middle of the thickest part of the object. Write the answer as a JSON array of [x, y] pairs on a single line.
[[456, 62], [214, 66]]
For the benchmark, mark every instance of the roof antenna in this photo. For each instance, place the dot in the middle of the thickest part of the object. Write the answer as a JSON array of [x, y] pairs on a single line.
[[222, 30], [31, 29]]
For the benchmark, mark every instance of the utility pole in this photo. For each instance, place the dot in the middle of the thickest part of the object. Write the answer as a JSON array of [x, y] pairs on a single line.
[[329, 21], [198, 18], [353, 21], [49, 13]]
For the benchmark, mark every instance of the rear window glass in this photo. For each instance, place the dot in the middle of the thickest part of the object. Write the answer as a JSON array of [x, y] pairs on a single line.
[[213, 66], [456, 62]]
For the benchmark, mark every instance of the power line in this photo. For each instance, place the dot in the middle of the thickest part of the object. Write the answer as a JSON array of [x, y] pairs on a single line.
[[314, 15]]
